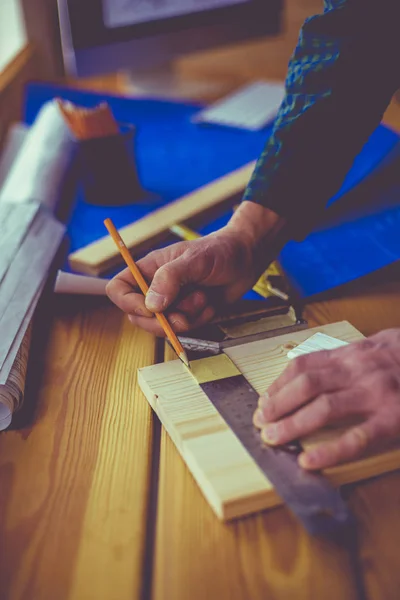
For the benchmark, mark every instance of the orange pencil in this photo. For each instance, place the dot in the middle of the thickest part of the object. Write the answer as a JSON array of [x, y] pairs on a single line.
[[119, 242]]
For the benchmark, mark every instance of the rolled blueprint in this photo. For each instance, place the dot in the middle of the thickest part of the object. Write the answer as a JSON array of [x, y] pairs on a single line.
[[43, 165], [38, 166], [12, 392], [69, 283]]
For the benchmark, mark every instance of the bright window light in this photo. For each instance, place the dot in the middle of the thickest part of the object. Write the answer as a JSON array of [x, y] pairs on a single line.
[[12, 30]]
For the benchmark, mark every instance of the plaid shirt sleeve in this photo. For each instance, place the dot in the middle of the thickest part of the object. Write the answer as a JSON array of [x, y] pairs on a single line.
[[340, 80]]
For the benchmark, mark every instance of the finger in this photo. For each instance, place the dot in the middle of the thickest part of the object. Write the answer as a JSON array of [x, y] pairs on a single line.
[[205, 317], [300, 390], [169, 279], [124, 276], [301, 364], [123, 289], [124, 281], [352, 444], [126, 298], [236, 290], [178, 322], [193, 304], [324, 410], [147, 265]]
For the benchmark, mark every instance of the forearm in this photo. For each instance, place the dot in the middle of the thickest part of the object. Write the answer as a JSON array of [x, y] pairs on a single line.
[[263, 231], [255, 223], [340, 80]]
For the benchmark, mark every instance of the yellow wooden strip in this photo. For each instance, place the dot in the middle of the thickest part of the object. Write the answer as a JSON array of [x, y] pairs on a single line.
[[264, 557], [226, 474], [213, 368], [113, 533], [101, 255], [266, 324], [75, 483], [185, 233]]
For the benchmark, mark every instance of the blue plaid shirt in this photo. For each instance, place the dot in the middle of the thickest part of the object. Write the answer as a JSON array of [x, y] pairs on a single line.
[[340, 79]]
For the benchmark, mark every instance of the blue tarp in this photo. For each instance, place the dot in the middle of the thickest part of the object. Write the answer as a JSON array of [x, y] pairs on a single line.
[[175, 157]]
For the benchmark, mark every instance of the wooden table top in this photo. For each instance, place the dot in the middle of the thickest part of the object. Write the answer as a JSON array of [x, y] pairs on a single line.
[[96, 503]]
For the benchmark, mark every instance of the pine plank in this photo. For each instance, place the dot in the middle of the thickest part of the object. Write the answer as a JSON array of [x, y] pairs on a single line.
[[375, 502], [101, 255], [265, 556], [75, 483], [225, 473], [376, 506]]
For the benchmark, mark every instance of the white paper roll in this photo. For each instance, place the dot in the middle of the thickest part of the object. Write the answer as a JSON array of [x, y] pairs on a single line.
[[40, 168], [69, 283]]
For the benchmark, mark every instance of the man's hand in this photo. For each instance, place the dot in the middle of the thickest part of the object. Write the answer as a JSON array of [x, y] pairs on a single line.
[[191, 279], [360, 381]]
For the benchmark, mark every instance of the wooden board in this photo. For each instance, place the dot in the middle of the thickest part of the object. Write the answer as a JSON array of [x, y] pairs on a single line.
[[227, 476], [268, 556], [98, 257], [75, 482]]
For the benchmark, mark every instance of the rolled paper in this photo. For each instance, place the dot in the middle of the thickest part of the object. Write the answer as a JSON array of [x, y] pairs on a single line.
[[12, 393], [69, 283], [38, 166], [44, 162]]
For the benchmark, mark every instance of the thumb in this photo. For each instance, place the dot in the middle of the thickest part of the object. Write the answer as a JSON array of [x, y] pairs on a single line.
[[167, 282]]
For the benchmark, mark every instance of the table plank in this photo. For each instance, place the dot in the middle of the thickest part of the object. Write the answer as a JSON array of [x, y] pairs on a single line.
[[255, 557], [75, 484], [376, 502], [376, 505], [370, 309], [263, 556]]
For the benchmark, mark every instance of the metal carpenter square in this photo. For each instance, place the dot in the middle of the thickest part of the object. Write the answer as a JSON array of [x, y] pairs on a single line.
[[317, 504]]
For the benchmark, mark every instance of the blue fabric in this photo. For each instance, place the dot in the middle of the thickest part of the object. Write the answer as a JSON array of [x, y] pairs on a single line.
[[365, 240], [175, 157]]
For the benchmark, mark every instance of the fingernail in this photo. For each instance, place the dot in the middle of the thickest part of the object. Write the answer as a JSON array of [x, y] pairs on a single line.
[[270, 434], [155, 302], [131, 318], [258, 419], [176, 322], [307, 460], [263, 400]]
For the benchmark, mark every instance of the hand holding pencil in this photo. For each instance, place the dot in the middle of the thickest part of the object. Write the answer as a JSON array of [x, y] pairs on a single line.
[[177, 346]]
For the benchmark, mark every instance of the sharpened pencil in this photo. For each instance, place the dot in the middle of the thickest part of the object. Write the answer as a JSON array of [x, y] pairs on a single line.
[[134, 269]]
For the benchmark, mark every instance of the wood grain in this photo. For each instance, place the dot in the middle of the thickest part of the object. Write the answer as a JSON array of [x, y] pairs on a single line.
[[101, 255], [43, 508], [267, 555], [75, 484], [225, 473], [375, 503]]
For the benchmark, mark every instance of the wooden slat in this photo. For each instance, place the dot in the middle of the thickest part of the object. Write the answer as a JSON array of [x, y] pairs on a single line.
[[24, 67], [267, 555], [225, 473], [101, 255], [375, 503], [74, 485]]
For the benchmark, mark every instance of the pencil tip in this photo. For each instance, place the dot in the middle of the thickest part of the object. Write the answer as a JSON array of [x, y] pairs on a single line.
[[184, 359]]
